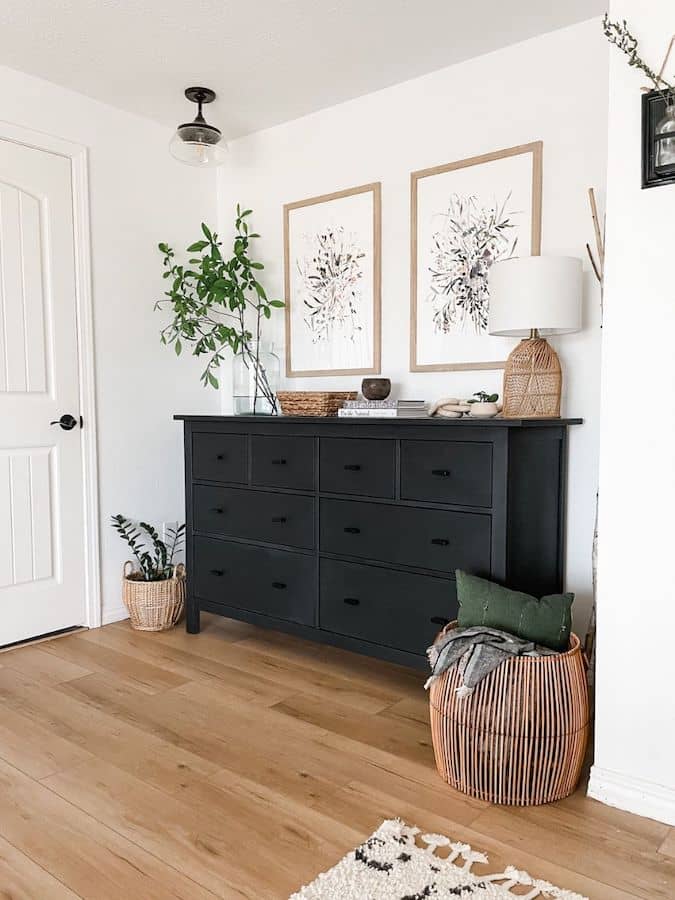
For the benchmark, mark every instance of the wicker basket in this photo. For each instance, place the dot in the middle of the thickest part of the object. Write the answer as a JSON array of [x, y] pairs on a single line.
[[153, 605], [313, 403], [520, 737]]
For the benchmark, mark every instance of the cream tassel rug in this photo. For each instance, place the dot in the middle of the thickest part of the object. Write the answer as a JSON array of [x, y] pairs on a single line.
[[390, 866]]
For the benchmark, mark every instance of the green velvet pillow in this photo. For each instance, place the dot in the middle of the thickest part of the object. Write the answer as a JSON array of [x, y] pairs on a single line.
[[547, 621]]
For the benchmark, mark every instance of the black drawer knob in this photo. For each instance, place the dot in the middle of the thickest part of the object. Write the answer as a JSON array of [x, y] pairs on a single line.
[[217, 509], [350, 529], [352, 467], [280, 519], [439, 620], [441, 473], [279, 585], [351, 601], [440, 542], [220, 456], [278, 462], [218, 572]]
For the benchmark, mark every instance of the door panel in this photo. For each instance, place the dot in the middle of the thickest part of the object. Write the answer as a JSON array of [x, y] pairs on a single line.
[[41, 496], [22, 265]]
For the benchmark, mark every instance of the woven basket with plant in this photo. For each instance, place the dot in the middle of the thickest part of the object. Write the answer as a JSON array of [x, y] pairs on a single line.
[[153, 586]]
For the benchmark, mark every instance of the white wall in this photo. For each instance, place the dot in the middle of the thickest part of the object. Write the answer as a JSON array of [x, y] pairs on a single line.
[[139, 195], [552, 88], [635, 719]]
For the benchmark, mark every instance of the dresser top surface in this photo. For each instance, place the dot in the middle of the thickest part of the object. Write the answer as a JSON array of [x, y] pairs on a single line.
[[389, 421]]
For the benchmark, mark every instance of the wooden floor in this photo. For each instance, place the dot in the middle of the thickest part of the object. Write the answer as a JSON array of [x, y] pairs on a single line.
[[240, 763]]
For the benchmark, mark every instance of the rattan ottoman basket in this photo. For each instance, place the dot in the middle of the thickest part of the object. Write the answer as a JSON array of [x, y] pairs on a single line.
[[520, 738]]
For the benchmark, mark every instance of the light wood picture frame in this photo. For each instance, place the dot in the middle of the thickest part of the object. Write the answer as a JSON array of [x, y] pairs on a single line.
[[500, 193], [333, 282]]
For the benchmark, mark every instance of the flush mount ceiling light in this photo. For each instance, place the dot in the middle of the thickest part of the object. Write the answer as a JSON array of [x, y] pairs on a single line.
[[197, 143]]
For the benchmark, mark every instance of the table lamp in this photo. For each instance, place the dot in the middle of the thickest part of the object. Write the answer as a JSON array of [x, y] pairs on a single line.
[[534, 296]]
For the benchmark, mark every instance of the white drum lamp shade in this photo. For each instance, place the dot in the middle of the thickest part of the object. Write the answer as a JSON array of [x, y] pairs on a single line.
[[531, 297], [542, 292]]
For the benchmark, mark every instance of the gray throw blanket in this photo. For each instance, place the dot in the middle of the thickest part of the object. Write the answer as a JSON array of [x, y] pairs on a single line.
[[478, 651]]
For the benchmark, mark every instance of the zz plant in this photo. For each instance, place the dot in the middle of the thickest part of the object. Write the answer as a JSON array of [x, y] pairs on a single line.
[[218, 304], [156, 563]]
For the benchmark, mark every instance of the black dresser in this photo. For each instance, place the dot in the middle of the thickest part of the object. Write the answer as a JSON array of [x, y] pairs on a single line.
[[349, 531]]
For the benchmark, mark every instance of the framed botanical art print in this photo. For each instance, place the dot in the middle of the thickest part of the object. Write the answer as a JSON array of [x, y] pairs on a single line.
[[332, 269], [463, 217]]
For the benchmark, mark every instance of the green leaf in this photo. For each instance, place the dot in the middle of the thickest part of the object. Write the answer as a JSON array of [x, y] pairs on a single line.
[[277, 304], [206, 231], [198, 246], [213, 381], [257, 265], [178, 347]]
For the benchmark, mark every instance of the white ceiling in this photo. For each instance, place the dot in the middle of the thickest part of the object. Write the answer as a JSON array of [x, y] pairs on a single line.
[[268, 60]]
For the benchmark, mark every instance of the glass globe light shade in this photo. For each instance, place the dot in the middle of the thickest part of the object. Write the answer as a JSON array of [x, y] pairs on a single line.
[[198, 144]]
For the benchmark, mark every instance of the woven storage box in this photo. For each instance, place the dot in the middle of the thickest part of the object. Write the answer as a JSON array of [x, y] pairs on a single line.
[[313, 403], [153, 605], [520, 737]]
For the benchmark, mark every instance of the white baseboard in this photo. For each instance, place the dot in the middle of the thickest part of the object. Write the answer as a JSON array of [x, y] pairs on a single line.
[[114, 614], [644, 798]]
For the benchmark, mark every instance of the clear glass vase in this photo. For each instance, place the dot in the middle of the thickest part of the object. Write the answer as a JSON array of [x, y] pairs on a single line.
[[665, 134], [255, 381]]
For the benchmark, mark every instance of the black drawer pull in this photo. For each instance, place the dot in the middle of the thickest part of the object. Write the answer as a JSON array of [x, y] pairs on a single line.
[[217, 509], [218, 572], [278, 462], [439, 620], [442, 473], [351, 601], [220, 456], [279, 519], [350, 529], [440, 542], [279, 585], [352, 467]]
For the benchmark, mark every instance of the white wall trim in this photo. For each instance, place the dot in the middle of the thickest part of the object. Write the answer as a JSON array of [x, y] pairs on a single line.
[[77, 154], [644, 798], [114, 614]]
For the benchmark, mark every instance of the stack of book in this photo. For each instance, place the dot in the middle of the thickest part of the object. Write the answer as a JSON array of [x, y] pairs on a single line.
[[384, 409]]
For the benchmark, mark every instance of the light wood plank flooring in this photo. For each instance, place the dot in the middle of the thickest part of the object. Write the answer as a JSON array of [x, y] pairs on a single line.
[[240, 763]]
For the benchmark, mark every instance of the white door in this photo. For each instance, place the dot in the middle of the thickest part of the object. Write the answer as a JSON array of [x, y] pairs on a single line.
[[42, 574]]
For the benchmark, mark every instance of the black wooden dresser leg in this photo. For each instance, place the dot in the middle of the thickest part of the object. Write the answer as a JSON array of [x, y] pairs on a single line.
[[192, 618]]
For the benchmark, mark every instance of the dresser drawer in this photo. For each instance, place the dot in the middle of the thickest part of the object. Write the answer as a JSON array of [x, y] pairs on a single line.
[[274, 582], [283, 462], [286, 519], [396, 609], [447, 472], [219, 457], [427, 538], [361, 466]]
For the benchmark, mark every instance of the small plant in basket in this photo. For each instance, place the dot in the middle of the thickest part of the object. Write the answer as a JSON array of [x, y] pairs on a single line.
[[153, 590], [155, 564]]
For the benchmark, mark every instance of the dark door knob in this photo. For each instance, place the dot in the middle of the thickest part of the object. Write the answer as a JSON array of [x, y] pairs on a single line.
[[67, 422]]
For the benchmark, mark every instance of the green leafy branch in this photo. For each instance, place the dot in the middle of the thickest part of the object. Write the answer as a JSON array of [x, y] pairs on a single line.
[[211, 299], [158, 564], [617, 33]]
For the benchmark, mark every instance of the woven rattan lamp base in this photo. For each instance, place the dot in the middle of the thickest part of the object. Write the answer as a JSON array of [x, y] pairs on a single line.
[[532, 381]]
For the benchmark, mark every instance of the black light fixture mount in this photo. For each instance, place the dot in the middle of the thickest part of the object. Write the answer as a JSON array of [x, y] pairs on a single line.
[[197, 143]]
